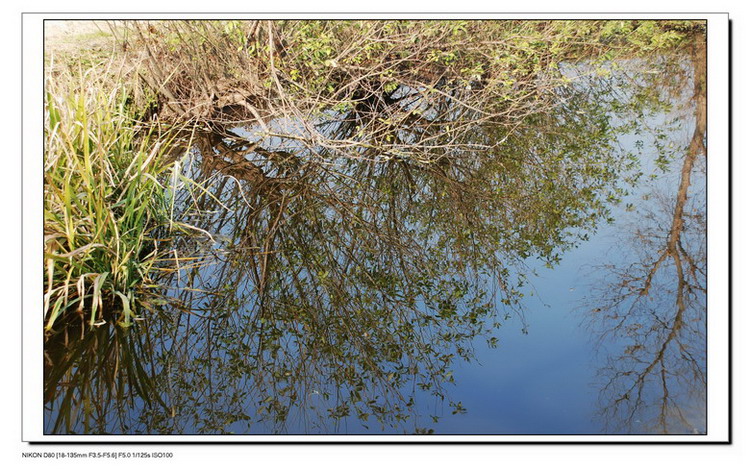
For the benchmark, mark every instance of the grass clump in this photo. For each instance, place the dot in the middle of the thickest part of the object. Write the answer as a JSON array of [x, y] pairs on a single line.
[[103, 199]]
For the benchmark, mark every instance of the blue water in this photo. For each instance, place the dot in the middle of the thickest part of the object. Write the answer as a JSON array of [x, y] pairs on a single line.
[[538, 382], [542, 378]]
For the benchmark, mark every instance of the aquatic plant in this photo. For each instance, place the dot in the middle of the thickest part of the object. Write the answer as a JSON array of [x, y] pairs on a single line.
[[103, 199]]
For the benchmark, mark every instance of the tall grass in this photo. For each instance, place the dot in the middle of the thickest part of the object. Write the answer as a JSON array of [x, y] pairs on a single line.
[[103, 198]]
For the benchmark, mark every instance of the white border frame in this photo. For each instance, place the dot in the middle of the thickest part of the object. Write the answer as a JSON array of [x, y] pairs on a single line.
[[718, 236]]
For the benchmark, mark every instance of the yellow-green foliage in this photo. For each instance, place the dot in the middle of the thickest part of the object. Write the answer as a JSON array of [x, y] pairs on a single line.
[[102, 197], [320, 64]]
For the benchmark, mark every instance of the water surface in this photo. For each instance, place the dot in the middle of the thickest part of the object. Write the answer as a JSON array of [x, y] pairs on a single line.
[[511, 282]]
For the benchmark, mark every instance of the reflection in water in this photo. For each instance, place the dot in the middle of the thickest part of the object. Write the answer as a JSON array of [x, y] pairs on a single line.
[[329, 283], [94, 380], [654, 303]]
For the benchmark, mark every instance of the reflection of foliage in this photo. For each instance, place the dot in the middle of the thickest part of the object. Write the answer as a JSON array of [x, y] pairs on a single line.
[[88, 376], [350, 288], [656, 305]]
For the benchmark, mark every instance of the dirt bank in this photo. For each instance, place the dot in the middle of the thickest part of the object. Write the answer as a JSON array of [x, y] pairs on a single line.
[[66, 37]]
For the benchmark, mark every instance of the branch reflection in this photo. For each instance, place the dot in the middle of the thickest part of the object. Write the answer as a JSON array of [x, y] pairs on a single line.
[[331, 284], [654, 304]]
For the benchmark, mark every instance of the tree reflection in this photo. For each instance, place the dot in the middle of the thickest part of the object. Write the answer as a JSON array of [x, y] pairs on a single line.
[[331, 284], [655, 304]]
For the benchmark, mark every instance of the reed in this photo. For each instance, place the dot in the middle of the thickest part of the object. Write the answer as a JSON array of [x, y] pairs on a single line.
[[103, 199]]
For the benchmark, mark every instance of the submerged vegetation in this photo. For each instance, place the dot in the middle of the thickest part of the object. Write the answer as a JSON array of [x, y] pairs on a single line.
[[322, 214]]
